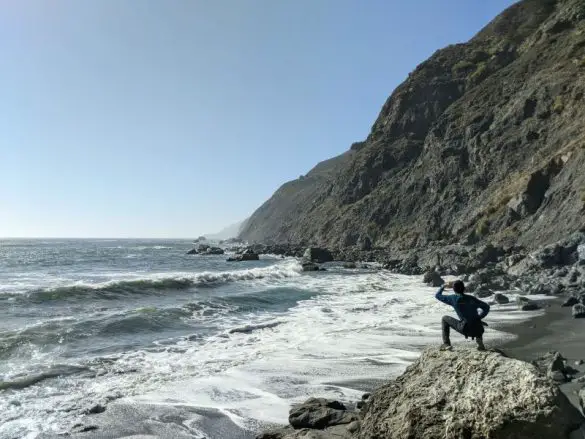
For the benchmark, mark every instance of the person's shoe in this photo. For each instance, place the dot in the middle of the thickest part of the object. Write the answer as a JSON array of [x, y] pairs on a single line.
[[446, 347], [480, 345]]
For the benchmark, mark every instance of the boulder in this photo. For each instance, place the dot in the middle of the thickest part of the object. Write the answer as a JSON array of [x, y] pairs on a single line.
[[469, 394], [350, 265], [574, 276], [487, 254], [320, 413], [578, 311], [319, 255], [244, 257], [309, 266], [365, 243], [501, 299], [570, 301], [433, 279], [202, 248], [214, 251], [483, 292], [526, 304], [541, 289], [553, 365], [193, 251], [94, 409]]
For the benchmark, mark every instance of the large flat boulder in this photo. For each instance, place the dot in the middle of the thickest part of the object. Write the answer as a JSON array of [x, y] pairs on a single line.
[[315, 254], [320, 413], [469, 394], [433, 279]]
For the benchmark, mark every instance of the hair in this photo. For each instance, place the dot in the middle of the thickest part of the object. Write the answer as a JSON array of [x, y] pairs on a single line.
[[459, 287]]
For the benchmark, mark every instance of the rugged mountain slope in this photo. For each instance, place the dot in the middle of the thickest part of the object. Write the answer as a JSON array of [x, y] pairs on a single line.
[[484, 141]]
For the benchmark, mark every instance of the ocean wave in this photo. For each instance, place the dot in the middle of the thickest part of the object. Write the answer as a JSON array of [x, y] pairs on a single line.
[[158, 284]]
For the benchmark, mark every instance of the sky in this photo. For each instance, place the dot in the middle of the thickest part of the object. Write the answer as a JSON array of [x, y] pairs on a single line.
[[163, 119]]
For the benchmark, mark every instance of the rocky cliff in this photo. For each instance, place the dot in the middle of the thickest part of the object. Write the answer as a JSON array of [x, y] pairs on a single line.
[[484, 141]]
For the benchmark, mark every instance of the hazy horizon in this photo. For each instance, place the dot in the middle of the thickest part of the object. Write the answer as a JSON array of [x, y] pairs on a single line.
[[173, 120]]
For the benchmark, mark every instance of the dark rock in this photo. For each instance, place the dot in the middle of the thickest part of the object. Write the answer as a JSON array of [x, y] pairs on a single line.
[[193, 251], [85, 428], [309, 266], [244, 257], [365, 243], [488, 254], [350, 265], [541, 289], [366, 396], [319, 255], [433, 279], [275, 434], [526, 304], [95, 409], [553, 365], [570, 301], [483, 292], [561, 272], [578, 311], [524, 405], [501, 299], [202, 248], [214, 251], [320, 413]]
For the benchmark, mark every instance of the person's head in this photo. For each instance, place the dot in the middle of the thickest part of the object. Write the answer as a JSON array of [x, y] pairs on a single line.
[[459, 287]]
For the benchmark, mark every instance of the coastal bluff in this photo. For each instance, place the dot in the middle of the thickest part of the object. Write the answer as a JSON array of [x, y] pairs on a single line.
[[463, 394]]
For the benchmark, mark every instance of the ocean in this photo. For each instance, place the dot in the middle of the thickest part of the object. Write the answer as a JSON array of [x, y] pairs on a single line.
[[141, 322]]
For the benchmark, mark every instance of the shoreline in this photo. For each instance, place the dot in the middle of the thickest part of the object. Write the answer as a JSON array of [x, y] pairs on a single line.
[[555, 330]]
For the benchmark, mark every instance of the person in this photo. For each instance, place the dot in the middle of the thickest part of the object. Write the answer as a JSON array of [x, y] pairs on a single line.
[[470, 321]]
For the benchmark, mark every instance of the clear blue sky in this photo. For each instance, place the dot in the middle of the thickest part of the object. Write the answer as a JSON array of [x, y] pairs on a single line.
[[151, 118]]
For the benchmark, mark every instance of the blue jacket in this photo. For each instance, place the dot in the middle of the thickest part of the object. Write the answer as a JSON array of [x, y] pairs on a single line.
[[465, 306]]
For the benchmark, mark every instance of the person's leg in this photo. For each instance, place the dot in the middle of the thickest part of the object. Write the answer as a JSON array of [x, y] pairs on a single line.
[[448, 323], [480, 345]]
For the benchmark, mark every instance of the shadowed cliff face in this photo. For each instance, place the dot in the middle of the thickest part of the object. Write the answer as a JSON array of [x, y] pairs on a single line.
[[484, 141]]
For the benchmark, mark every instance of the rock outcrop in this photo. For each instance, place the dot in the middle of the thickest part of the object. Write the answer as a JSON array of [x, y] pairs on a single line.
[[526, 304], [433, 279], [578, 311], [469, 394], [461, 394], [483, 142], [319, 255]]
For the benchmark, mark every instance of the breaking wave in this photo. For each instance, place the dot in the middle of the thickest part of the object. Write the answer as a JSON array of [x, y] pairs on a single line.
[[159, 284]]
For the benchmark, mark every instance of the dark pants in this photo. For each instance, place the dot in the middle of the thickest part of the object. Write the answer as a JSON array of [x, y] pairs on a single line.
[[449, 322]]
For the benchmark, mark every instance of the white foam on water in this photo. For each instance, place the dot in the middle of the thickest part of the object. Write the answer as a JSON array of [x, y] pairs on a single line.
[[365, 327], [360, 328]]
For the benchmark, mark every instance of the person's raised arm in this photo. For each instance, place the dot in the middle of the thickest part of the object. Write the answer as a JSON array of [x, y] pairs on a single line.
[[441, 297]]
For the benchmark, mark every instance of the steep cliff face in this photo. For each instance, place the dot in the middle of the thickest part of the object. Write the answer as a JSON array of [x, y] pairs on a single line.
[[484, 141]]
